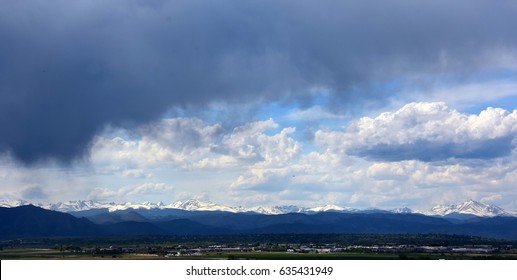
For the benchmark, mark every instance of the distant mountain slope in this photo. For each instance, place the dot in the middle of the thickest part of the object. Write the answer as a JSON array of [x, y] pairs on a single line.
[[188, 227], [328, 222], [132, 228], [29, 220], [117, 217]]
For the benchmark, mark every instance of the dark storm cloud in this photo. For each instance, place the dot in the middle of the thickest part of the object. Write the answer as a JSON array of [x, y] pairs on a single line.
[[67, 68], [429, 151]]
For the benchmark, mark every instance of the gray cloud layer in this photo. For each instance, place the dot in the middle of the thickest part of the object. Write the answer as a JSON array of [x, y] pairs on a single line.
[[67, 68]]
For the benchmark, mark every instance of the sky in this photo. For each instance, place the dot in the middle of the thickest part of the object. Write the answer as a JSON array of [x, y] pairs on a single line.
[[355, 103]]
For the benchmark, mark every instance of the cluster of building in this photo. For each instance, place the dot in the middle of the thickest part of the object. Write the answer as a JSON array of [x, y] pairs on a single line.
[[294, 248]]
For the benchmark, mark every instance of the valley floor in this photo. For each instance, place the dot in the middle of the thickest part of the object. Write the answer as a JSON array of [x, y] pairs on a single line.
[[28, 254], [265, 247]]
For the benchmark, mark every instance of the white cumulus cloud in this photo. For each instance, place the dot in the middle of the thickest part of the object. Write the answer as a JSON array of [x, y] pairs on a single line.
[[426, 132]]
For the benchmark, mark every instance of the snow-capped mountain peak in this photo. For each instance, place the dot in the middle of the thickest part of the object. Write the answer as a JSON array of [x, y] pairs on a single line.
[[402, 210], [77, 205], [266, 210], [144, 205], [330, 207], [196, 205], [8, 203], [469, 207], [277, 210]]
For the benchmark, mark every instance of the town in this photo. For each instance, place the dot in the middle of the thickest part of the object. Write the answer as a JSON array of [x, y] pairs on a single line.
[[264, 247]]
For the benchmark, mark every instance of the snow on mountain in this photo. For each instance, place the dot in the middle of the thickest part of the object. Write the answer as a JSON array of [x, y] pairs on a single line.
[[266, 210], [77, 205], [81, 205], [144, 205], [196, 205], [402, 210], [470, 207], [13, 203], [277, 210], [333, 208], [289, 209]]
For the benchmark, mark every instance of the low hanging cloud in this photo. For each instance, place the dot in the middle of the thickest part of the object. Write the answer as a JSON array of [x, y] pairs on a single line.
[[131, 191], [427, 132], [191, 143], [177, 141], [69, 68]]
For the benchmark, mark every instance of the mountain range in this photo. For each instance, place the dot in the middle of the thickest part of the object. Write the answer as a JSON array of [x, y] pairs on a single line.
[[466, 209], [32, 221]]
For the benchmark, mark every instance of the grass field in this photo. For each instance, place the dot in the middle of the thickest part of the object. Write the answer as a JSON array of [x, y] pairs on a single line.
[[39, 254]]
